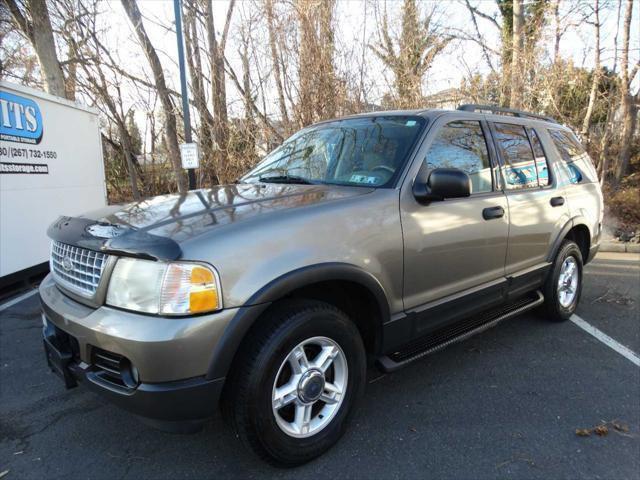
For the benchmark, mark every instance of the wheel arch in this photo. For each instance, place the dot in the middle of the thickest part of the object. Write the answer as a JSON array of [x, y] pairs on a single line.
[[576, 230], [348, 287]]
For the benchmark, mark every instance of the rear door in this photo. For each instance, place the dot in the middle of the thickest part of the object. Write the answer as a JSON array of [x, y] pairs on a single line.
[[579, 178], [537, 204]]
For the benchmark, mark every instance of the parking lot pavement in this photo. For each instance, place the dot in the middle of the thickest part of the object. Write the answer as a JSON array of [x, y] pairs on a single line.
[[613, 281], [505, 403]]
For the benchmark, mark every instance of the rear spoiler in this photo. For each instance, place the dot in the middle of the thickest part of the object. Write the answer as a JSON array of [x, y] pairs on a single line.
[[113, 239]]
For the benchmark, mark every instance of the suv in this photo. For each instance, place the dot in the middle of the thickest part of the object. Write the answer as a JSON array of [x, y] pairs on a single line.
[[376, 238]]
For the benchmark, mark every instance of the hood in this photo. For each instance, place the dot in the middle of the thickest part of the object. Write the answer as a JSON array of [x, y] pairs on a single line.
[[155, 227]]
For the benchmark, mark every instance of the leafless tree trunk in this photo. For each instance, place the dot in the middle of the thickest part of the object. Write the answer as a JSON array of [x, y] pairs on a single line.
[[194, 61], [219, 92], [171, 132], [596, 72], [249, 128], [557, 33], [627, 100], [615, 38], [275, 60], [516, 55], [317, 89], [36, 27]]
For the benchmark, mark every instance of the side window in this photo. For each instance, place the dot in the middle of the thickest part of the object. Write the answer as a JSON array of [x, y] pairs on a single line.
[[574, 155], [542, 164], [519, 166], [461, 144]]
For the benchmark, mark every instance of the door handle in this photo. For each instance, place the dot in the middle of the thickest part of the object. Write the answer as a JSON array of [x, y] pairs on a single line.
[[492, 212], [557, 201]]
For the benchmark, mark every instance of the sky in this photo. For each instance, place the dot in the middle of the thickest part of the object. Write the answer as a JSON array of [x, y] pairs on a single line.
[[460, 57]]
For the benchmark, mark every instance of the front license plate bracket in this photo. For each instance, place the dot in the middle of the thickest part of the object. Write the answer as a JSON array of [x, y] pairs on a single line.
[[59, 363]]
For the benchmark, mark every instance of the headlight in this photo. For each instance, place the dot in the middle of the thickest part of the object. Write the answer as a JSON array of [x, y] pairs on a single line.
[[176, 288]]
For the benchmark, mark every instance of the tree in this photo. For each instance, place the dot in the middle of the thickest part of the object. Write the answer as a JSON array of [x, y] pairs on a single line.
[[417, 47], [517, 51], [218, 78], [628, 101], [171, 132], [276, 59], [596, 72], [35, 25], [317, 78], [519, 25], [206, 123]]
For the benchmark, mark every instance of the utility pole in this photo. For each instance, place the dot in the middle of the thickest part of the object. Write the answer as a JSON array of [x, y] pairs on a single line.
[[177, 7]]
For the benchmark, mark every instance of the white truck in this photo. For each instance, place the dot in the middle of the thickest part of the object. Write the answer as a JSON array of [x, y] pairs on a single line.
[[50, 162]]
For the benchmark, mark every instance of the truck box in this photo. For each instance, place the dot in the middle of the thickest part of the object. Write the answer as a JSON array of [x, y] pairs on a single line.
[[50, 164]]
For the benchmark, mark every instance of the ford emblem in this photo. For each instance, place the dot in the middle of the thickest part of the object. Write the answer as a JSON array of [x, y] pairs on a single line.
[[67, 264]]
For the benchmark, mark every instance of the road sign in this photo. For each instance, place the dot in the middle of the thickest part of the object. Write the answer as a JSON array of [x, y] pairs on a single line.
[[189, 155]]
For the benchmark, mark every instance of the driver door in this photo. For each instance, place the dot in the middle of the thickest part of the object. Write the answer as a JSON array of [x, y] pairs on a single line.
[[455, 249]]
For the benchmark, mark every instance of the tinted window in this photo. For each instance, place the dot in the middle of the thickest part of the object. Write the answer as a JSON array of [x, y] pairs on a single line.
[[462, 145], [541, 159], [519, 168], [576, 159], [366, 151]]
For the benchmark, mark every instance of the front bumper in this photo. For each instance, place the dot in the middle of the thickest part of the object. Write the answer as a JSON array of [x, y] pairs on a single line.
[[188, 400], [172, 356]]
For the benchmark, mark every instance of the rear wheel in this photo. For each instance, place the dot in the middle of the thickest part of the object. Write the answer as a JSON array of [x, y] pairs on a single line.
[[563, 285], [296, 381]]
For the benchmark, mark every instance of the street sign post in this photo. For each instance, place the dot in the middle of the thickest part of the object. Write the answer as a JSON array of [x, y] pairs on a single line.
[[189, 155]]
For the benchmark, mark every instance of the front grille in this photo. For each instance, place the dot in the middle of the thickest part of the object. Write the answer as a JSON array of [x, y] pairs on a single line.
[[77, 269]]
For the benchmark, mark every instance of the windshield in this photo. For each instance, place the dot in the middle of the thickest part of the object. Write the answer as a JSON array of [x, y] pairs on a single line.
[[357, 151]]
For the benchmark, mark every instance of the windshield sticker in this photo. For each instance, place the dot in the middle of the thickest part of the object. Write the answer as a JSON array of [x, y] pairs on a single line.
[[364, 179], [410, 123]]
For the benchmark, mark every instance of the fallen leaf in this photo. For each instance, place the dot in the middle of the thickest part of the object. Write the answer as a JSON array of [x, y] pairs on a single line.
[[2, 474], [413, 429], [601, 430], [582, 432], [620, 427]]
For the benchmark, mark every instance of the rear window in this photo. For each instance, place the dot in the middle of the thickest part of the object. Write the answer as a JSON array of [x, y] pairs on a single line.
[[576, 160]]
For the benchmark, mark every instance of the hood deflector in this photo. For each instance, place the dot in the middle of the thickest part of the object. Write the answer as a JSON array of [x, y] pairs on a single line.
[[113, 239]]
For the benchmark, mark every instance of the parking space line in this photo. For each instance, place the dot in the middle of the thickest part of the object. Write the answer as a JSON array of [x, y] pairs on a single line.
[[606, 339], [18, 299]]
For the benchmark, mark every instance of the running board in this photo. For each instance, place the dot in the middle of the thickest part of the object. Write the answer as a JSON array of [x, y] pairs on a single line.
[[457, 332]]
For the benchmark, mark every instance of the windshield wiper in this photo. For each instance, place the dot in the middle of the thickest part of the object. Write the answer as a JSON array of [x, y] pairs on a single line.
[[286, 179]]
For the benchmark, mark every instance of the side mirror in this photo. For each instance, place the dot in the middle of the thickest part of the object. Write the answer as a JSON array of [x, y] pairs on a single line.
[[442, 183]]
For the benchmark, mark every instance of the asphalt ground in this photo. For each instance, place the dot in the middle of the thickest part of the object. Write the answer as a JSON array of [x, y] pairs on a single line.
[[504, 404]]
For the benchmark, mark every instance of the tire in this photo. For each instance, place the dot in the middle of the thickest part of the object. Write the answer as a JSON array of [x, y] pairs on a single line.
[[267, 361], [560, 304]]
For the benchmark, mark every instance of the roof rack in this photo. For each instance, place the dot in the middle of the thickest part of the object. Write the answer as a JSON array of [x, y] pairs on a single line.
[[472, 107]]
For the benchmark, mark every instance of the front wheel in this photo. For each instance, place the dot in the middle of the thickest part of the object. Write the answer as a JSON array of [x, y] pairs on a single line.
[[563, 285], [296, 381]]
